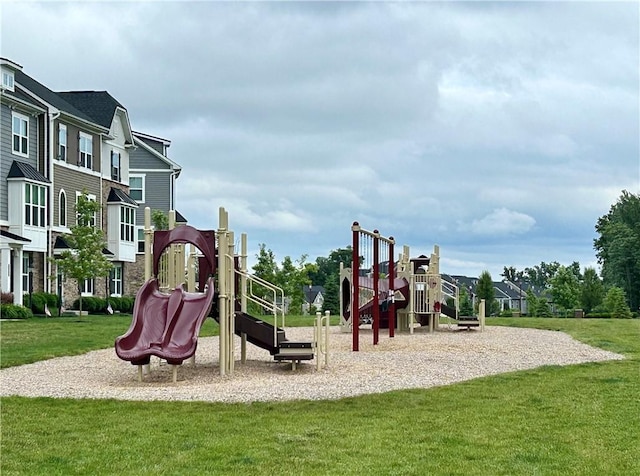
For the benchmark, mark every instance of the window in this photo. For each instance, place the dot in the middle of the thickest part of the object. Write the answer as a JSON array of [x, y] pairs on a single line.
[[7, 80], [92, 221], [35, 205], [136, 187], [115, 280], [20, 134], [87, 287], [27, 272], [115, 166], [85, 148], [127, 215], [62, 142], [62, 208], [140, 233]]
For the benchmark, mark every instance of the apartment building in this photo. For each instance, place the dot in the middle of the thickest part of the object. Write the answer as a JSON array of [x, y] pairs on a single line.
[[53, 146]]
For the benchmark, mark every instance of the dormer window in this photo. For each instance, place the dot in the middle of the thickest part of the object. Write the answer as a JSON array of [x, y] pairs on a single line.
[[7, 80]]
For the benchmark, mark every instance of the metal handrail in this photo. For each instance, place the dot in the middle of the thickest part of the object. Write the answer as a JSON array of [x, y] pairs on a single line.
[[452, 291], [265, 303]]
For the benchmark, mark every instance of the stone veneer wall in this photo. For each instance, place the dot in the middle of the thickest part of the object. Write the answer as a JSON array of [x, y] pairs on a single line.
[[134, 276]]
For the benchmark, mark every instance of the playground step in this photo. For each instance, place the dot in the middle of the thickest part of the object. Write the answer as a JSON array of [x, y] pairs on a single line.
[[288, 345], [468, 321], [290, 350], [292, 356]]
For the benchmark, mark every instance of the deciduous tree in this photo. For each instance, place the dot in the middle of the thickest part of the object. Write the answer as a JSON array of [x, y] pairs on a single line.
[[591, 290], [540, 275], [84, 258], [565, 288], [618, 246]]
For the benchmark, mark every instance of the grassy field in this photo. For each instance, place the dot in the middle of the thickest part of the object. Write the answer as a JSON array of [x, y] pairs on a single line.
[[580, 420], [31, 340]]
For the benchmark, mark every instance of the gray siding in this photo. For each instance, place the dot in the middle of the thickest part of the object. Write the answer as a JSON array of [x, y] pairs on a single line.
[[72, 181], [5, 158], [155, 145], [157, 194], [73, 138], [140, 158], [6, 151]]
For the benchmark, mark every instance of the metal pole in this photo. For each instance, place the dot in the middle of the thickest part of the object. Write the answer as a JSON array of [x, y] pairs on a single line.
[[376, 286], [392, 292], [355, 285]]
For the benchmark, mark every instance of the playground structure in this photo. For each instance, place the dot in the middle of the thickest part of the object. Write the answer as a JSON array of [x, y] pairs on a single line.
[[402, 294], [179, 293]]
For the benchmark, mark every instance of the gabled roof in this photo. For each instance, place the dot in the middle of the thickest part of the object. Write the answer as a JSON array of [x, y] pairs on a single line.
[[467, 282], [120, 196], [138, 141], [20, 97], [100, 106], [506, 290], [23, 170], [311, 292], [50, 97], [159, 140]]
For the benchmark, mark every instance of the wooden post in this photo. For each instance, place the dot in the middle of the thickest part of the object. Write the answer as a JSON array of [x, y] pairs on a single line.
[[171, 272], [148, 243], [243, 293], [231, 298], [327, 315], [222, 289]]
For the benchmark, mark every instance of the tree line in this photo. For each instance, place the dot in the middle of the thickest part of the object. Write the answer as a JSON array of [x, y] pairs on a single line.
[[615, 290]]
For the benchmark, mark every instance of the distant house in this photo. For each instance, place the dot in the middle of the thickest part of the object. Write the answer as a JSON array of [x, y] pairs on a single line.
[[313, 297], [509, 295]]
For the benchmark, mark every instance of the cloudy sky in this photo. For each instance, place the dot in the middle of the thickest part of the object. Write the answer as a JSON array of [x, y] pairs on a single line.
[[499, 131]]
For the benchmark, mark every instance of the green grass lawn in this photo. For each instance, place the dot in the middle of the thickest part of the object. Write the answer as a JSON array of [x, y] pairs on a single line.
[[577, 420], [31, 340]]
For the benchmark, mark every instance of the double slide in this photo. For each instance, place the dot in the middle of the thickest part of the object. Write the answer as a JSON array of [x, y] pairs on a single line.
[[164, 325], [168, 325]]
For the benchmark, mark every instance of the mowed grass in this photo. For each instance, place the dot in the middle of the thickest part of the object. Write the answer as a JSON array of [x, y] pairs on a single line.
[[579, 420], [32, 340]]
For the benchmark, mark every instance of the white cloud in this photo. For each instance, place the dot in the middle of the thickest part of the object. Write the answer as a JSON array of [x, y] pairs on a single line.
[[414, 117], [501, 222]]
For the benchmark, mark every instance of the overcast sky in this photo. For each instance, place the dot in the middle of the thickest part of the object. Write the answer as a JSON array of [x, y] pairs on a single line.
[[499, 131]]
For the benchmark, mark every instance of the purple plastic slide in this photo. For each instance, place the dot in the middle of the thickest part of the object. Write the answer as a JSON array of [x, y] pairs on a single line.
[[164, 325]]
